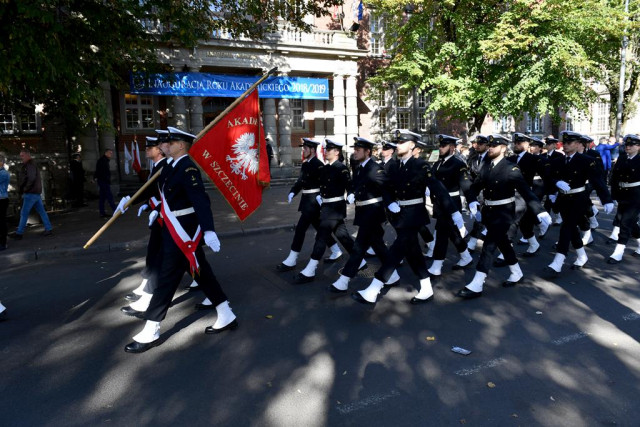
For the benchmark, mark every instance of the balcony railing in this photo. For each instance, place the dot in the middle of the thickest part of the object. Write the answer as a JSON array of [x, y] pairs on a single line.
[[285, 35]]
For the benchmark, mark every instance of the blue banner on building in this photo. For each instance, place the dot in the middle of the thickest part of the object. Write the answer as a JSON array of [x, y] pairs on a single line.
[[218, 85]]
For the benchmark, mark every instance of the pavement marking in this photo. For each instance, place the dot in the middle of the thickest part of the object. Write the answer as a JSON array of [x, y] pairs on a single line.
[[475, 369], [569, 338], [375, 399], [631, 316]]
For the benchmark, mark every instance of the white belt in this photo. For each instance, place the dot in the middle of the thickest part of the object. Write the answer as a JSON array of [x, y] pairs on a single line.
[[369, 202], [574, 190], [333, 199], [410, 202], [311, 191], [455, 193], [499, 202], [182, 212], [629, 184], [537, 177]]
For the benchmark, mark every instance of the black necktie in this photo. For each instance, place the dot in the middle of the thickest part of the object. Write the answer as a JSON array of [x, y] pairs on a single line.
[[490, 166], [568, 160]]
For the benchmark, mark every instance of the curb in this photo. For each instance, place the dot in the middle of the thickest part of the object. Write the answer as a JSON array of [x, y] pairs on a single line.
[[15, 258]]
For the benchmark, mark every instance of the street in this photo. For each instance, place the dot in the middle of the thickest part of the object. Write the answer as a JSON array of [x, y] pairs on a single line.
[[549, 352]]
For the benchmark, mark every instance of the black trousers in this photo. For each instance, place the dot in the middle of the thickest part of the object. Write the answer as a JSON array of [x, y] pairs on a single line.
[[496, 237], [572, 215], [447, 230], [476, 230], [173, 265], [323, 237], [425, 233], [527, 223], [406, 246], [4, 204], [369, 235], [627, 216], [301, 229]]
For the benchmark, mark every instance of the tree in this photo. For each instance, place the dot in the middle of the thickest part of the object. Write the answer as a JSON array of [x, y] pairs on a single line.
[[501, 57], [58, 52]]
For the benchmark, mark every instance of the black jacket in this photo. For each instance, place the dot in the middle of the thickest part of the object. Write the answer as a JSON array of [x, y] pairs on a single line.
[[335, 180], [371, 182], [102, 173], [309, 179]]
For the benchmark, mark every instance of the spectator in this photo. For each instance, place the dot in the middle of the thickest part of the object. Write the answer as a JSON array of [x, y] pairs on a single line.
[[4, 204], [103, 177], [30, 189], [77, 176], [269, 152], [606, 151]]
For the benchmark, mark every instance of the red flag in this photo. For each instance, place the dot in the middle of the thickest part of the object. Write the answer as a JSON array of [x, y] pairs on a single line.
[[233, 153], [135, 152]]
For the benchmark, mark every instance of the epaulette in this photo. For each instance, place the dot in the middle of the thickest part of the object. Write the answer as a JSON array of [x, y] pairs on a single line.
[[191, 168]]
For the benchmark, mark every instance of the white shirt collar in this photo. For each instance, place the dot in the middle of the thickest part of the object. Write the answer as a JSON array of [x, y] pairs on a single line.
[[175, 162], [365, 162], [631, 157], [447, 158], [520, 155]]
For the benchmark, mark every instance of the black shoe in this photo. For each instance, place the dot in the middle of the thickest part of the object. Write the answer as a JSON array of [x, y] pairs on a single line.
[[358, 298], [231, 326], [3, 315], [328, 260], [509, 284], [610, 241], [466, 293], [364, 267], [131, 312], [461, 267], [332, 289], [635, 254], [577, 267], [301, 278], [613, 261], [47, 233], [418, 301], [368, 255], [499, 263], [138, 347], [15, 236], [521, 243], [554, 246], [192, 288], [551, 272], [133, 297], [3, 248], [530, 254], [282, 268], [200, 306]]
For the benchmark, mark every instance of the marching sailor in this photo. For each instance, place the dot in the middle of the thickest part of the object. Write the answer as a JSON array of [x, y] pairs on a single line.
[[551, 145], [452, 172], [499, 181], [409, 178], [334, 181], [309, 184], [569, 176], [476, 161], [187, 219], [625, 188]]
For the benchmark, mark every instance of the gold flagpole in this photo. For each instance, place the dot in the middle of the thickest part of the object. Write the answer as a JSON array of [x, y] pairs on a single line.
[[157, 174]]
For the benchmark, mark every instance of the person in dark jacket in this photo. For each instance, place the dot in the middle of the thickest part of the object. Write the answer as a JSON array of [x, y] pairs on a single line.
[[102, 177], [30, 189]]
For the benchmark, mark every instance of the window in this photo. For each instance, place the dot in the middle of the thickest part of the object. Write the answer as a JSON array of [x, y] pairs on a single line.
[[422, 121], [422, 100], [403, 98], [376, 30], [382, 100], [23, 122], [297, 113], [602, 116], [404, 120], [568, 120], [139, 111], [534, 123], [382, 121], [501, 124]]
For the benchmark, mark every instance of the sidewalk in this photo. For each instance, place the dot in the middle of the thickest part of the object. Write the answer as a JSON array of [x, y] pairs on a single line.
[[72, 230]]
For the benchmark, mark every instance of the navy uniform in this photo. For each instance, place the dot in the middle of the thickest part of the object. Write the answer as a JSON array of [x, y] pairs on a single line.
[[476, 161], [371, 193], [625, 188], [569, 175], [334, 180], [589, 220], [453, 173], [550, 155], [499, 183], [308, 184], [186, 211], [409, 179], [386, 145]]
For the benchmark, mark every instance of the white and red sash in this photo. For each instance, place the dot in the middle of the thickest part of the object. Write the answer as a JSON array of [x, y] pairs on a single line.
[[187, 245], [154, 203]]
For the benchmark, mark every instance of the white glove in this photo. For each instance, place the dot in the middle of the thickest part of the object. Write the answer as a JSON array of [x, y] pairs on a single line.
[[394, 207], [319, 200], [478, 217], [351, 198], [142, 209], [608, 208], [553, 197], [120, 206], [544, 218], [290, 197], [457, 219], [427, 192], [211, 240], [473, 208], [463, 231], [563, 186], [152, 217]]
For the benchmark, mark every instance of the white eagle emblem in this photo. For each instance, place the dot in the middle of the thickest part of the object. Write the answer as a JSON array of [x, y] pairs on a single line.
[[246, 155]]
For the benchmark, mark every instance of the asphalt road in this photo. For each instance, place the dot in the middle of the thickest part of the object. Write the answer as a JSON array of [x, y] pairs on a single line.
[[547, 352]]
